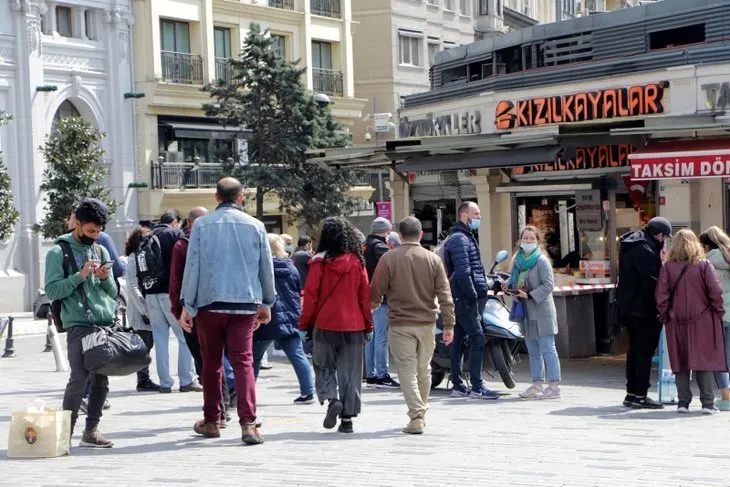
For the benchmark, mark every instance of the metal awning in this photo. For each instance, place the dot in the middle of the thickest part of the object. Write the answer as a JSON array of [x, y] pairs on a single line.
[[508, 157], [187, 130]]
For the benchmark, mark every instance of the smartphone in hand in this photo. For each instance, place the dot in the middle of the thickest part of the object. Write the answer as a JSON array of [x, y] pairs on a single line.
[[106, 265]]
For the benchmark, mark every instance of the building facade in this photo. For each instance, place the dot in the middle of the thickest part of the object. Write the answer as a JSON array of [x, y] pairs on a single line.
[[71, 57], [181, 45]]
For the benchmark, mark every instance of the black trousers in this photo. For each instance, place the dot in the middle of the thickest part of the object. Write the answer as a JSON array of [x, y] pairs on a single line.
[[143, 376], [191, 340], [77, 381], [643, 341]]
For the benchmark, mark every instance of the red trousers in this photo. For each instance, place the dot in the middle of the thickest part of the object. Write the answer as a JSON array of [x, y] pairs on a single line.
[[215, 331]]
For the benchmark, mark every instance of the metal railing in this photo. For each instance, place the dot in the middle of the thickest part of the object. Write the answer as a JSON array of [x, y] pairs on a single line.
[[223, 69], [326, 8], [180, 67], [181, 175], [287, 4], [327, 81]]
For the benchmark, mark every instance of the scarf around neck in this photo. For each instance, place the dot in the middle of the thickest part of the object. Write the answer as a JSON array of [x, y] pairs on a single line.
[[523, 264]]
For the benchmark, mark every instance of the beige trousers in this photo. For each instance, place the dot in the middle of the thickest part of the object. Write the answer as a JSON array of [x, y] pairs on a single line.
[[412, 349]]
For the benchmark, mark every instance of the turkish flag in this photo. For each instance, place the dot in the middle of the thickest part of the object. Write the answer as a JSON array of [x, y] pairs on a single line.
[[636, 189]]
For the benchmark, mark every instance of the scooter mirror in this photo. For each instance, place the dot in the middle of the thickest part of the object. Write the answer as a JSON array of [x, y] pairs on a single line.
[[502, 255]]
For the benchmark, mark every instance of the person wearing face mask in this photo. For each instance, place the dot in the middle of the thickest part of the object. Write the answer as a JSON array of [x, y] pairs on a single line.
[[88, 299], [469, 289], [640, 261], [532, 282]]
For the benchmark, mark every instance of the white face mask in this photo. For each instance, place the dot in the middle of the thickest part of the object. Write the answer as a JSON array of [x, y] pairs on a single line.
[[528, 247]]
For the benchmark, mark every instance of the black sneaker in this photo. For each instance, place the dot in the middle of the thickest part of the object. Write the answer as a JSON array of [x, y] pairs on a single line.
[[333, 412], [148, 386], [345, 427], [165, 390], [646, 403], [387, 383], [628, 400], [371, 382], [94, 439], [308, 399]]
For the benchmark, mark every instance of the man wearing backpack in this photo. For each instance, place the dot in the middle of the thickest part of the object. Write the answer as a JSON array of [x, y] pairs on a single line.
[[153, 272], [463, 264], [77, 277]]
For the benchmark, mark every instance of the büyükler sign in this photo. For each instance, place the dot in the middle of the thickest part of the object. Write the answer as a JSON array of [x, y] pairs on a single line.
[[680, 165], [582, 107]]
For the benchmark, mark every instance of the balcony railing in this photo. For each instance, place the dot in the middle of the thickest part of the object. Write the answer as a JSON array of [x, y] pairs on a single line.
[[223, 69], [327, 81], [182, 175], [179, 67], [287, 4], [326, 8]]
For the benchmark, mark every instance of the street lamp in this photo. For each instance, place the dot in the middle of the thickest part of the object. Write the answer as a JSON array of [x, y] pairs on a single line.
[[322, 99]]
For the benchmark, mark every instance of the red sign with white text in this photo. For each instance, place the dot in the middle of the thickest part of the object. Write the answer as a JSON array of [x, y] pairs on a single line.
[[680, 165]]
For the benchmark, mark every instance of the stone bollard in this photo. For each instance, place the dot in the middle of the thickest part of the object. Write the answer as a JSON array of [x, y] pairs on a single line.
[[9, 341], [58, 355], [48, 346]]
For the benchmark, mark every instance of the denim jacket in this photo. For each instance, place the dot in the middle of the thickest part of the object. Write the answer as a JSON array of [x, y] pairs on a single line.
[[229, 261]]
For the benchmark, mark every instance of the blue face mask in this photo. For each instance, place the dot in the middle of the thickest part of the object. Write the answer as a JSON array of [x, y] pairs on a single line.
[[475, 223], [288, 249]]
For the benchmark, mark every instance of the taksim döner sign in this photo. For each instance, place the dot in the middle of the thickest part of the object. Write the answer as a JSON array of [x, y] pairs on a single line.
[[680, 165]]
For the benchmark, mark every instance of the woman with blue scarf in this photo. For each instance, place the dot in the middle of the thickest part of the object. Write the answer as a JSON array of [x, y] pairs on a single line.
[[532, 284]]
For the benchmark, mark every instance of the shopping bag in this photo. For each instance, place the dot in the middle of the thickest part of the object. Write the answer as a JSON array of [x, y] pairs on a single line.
[[114, 351], [39, 433], [518, 310]]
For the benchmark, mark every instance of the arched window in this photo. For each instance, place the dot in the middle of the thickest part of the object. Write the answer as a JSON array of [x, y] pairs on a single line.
[[66, 109]]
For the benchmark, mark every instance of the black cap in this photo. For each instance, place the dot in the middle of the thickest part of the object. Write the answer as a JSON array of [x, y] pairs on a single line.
[[659, 225]]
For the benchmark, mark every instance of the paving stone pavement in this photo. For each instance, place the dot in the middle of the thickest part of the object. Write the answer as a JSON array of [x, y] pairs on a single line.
[[584, 439]]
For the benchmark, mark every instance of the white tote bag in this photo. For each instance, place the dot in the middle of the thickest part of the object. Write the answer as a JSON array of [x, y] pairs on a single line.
[[39, 433]]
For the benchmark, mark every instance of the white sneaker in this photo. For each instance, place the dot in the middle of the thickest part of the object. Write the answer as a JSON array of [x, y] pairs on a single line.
[[708, 410], [682, 409], [551, 392], [532, 392]]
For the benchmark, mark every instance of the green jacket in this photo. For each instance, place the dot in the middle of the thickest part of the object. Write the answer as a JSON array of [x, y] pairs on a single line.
[[722, 268], [101, 295]]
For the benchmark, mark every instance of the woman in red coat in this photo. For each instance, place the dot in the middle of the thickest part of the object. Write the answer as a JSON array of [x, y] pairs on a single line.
[[336, 313], [689, 301]]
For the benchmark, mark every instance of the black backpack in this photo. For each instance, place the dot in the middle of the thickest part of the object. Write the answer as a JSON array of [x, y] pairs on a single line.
[[69, 262], [150, 265]]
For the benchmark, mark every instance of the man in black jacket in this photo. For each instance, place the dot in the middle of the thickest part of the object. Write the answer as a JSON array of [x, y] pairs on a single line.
[[376, 351], [639, 265], [157, 297]]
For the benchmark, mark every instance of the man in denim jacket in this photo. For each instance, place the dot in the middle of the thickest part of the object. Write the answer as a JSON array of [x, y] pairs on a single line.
[[229, 287]]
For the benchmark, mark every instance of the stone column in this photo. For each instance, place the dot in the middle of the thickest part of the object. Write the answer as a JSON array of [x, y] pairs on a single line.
[[400, 197], [481, 181]]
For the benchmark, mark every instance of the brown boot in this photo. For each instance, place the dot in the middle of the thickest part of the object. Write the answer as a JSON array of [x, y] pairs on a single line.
[[208, 430], [415, 427], [250, 435], [223, 423]]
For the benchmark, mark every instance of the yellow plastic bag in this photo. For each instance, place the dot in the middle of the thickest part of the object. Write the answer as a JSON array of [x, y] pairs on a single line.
[[39, 433]]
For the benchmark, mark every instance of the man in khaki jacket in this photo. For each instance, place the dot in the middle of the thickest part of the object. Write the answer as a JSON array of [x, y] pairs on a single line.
[[413, 279]]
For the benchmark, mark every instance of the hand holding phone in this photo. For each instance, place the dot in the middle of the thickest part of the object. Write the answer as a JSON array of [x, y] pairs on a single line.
[[106, 265]]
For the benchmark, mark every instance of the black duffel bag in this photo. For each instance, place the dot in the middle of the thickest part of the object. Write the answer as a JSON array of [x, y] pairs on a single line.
[[114, 351]]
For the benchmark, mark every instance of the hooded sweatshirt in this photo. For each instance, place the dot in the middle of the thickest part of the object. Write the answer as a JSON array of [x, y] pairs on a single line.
[[101, 295], [337, 295], [722, 268], [639, 265]]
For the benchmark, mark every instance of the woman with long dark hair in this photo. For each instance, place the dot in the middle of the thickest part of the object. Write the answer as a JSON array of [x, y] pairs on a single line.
[[137, 315], [336, 313]]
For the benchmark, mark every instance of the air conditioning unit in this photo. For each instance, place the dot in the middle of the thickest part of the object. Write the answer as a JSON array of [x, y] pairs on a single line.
[[171, 156]]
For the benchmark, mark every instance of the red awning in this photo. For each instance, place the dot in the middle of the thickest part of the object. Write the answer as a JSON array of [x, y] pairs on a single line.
[[682, 160]]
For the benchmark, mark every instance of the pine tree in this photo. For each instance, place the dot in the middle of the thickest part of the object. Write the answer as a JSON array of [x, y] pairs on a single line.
[[264, 96], [8, 214], [73, 154]]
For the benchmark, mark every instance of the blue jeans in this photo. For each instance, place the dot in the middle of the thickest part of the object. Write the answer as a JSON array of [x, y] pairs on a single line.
[[294, 351], [543, 354], [723, 378], [162, 319], [468, 324], [376, 350]]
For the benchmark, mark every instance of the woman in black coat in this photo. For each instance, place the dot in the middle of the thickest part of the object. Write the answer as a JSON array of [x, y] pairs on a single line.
[[283, 328]]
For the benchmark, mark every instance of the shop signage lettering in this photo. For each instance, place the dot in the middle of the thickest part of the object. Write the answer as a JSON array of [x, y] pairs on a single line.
[[602, 156], [681, 165], [717, 95], [582, 107], [467, 122]]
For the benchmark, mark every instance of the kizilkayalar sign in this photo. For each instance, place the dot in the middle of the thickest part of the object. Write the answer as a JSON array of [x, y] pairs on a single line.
[[585, 106]]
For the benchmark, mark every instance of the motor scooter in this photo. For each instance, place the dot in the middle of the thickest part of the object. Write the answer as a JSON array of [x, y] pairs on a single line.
[[503, 337]]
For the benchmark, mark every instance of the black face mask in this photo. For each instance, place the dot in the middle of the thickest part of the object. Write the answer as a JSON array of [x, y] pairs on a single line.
[[86, 240]]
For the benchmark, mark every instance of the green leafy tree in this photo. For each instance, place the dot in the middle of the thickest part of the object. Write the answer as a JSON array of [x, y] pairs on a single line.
[[325, 191], [8, 214], [265, 97], [73, 172]]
